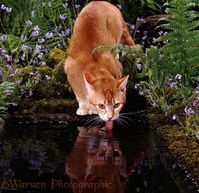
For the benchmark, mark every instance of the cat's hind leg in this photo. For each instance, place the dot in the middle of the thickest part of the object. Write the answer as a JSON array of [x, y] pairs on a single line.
[[126, 37]]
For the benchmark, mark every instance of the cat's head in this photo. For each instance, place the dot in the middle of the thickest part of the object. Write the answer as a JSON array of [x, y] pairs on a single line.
[[106, 95]]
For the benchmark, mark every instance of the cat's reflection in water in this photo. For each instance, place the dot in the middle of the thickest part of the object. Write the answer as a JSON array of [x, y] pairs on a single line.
[[96, 163]]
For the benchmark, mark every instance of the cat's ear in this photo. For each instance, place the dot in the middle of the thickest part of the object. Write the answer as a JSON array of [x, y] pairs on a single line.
[[89, 80], [123, 83]]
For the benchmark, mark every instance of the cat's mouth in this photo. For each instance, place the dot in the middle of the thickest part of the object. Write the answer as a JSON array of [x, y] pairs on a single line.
[[109, 125]]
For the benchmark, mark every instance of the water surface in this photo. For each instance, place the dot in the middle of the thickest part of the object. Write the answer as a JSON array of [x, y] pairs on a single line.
[[69, 157]]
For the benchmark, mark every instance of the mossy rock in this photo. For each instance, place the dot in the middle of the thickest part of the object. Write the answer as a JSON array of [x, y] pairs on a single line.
[[180, 144], [48, 106], [51, 89], [58, 73], [56, 55], [60, 76], [26, 72], [193, 122]]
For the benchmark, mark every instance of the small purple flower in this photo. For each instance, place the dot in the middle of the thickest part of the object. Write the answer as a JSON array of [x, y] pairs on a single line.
[[33, 14], [145, 32], [139, 66], [144, 37], [65, 5], [77, 6], [137, 85], [40, 41], [63, 34], [28, 23], [16, 60], [174, 117], [165, 42], [23, 37], [160, 33], [197, 90], [49, 4], [154, 40], [3, 7], [3, 38], [30, 93], [36, 31], [141, 93], [8, 9], [36, 28], [22, 91], [197, 136], [196, 102], [189, 111], [57, 28], [24, 47], [132, 27], [8, 58], [1, 72], [62, 17], [141, 20], [58, 45], [40, 56], [119, 6], [154, 105], [18, 81], [68, 31], [148, 91], [43, 63], [37, 49], [23, 57], [49, 35], [47, 77], [178, 76], [171, 83]]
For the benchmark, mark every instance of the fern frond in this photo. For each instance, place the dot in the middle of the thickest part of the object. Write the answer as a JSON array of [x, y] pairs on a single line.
[[182, 48]]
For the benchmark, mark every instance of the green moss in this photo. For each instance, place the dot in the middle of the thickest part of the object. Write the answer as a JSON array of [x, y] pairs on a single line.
[[56, 55], [185, 149], [50, 89], [60, 76], [193, 122], [58, 73], [50, 106], [42, 70]]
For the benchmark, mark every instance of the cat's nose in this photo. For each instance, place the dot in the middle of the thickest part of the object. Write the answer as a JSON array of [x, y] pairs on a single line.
[[110, 117]]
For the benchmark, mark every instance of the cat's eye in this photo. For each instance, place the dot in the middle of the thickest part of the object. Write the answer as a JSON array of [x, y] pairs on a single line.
[[101, 106], [116, 105]]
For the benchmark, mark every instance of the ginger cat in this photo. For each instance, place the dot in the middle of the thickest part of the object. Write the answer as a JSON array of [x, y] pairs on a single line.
[[96, 77]]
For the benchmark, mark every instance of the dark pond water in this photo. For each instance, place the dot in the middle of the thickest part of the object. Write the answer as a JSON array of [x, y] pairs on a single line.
[[68, 157]]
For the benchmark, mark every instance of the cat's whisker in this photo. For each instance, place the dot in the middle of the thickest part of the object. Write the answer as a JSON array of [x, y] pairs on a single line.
[[92, 117], [120, 122], [124, 121], [90, 120], [133, 113], [126, 118], [93, 121]]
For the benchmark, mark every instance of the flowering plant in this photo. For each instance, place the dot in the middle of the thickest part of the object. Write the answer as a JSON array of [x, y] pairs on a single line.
[[28, 32]]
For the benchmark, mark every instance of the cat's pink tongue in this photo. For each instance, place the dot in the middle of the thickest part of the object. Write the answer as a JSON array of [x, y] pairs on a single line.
[[109, 125]]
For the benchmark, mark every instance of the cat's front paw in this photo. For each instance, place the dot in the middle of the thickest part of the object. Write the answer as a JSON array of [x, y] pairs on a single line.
[[85, 111]]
